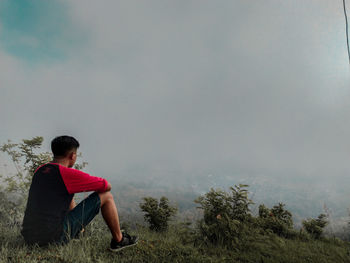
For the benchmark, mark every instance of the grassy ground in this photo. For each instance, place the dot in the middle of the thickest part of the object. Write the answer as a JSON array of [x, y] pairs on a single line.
[[171, 247]]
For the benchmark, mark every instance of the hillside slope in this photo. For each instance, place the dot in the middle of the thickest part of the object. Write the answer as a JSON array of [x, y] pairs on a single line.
[[177, 245]]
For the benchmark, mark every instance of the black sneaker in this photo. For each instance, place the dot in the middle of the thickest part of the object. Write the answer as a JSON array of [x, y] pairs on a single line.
[[127, 241]]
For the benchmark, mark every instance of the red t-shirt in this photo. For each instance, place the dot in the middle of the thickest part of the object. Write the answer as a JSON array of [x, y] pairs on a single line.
[[77, 181]]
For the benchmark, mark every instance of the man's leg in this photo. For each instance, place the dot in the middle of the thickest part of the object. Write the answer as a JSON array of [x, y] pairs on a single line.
[[110, 215], [80, 217]]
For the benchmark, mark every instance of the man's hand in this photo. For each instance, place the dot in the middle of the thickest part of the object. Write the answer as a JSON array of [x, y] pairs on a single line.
[[109, 187], [72, 205]]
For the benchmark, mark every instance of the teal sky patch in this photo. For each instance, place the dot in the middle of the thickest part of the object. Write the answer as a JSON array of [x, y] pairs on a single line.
[[37, 30]]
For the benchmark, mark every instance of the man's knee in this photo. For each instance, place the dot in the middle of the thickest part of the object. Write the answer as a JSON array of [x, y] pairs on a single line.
[[105, 197]]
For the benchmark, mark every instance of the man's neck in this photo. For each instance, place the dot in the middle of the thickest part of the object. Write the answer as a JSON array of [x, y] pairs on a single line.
[[61, 161]]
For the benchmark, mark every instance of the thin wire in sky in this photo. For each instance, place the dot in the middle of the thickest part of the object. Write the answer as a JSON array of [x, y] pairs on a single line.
[[347, 30]]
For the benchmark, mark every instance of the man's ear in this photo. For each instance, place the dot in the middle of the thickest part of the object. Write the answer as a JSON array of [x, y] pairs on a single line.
[[70, 156]]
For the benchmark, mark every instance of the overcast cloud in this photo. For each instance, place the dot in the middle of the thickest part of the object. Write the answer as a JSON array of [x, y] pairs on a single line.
[[252, 87]]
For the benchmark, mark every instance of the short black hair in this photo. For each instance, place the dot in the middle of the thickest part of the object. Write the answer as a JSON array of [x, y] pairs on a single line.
[[61, 145]]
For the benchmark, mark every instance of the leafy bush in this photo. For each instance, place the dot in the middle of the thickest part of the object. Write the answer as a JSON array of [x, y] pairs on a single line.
[[25, 160], [157, 214], [217, 204], [315, 226], [226, 216], [277, 219]]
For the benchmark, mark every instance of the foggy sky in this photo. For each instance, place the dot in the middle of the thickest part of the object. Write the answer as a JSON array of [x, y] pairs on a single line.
[[252, 87]]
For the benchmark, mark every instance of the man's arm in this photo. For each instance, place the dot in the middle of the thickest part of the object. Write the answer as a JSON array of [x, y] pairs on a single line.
[[77, 181]]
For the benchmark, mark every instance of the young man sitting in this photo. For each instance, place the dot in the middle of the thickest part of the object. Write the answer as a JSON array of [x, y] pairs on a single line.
[[51, 214]]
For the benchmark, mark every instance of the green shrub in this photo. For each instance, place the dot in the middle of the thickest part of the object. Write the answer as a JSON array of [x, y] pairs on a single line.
[[277, 219], [157, 214], [25, 160], [315, 226], [226, 216], [218, 204]]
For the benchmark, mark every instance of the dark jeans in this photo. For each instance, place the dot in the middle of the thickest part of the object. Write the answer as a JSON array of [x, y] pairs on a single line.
[[80, 217]]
